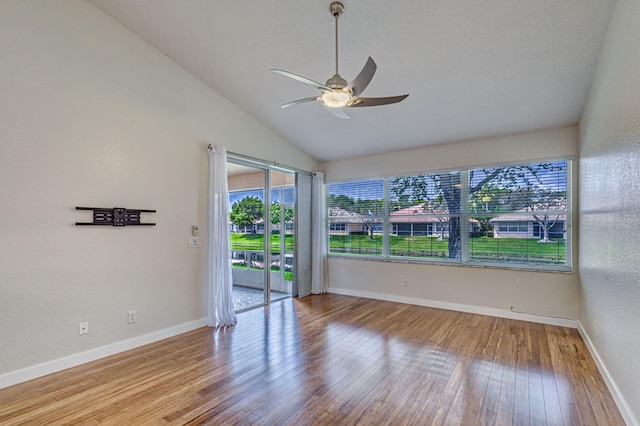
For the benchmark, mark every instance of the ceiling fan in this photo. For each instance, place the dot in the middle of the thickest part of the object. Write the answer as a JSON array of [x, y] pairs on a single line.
[[336, 93]]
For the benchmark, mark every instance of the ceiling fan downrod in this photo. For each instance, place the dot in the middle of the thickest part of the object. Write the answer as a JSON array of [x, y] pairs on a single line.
[[336, 82]]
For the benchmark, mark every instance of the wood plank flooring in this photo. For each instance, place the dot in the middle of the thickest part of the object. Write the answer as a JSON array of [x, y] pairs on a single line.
[[333, 360]]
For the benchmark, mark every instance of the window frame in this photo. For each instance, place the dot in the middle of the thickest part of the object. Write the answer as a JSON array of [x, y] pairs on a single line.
[[391, 229]]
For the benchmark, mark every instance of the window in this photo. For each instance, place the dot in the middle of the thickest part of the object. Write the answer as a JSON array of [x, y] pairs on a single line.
[[513, 227], [337, 226], [358, 209], [515, 215]]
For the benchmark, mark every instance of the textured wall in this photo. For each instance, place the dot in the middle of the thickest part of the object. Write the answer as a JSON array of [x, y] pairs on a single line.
[[610, 201], [551, 294], [90, 115], [541, 145]]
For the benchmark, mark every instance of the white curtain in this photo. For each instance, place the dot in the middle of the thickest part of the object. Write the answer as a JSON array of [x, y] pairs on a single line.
[[219, 282], [319, 236]]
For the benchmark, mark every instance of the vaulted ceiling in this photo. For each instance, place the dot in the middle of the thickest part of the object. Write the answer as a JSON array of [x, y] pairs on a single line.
[[471, 69]]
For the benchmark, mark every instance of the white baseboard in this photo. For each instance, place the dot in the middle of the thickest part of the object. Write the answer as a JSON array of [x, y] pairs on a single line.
[[620, 401], [56, 365], [500, 313]]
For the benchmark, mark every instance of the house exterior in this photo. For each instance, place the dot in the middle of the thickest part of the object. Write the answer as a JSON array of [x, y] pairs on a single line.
[[526, 226], [344, 222], [428, 220], [419, 220], [258, 228], [523, 223]]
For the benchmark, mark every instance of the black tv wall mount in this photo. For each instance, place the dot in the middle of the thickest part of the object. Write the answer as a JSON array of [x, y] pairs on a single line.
[[116, 216]]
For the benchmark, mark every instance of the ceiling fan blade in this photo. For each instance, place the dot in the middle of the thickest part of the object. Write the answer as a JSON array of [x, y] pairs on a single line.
[[363, 79], [302, 79], [365, 102], [299, 101], [338, 112]]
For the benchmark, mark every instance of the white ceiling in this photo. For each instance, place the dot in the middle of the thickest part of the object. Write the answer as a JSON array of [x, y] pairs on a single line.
[[472, 69]]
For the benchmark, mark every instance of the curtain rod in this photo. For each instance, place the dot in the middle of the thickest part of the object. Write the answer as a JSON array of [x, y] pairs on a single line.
[[264, 162]]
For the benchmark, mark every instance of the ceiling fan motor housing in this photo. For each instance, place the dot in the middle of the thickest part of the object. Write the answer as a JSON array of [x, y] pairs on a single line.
[[336, 82]]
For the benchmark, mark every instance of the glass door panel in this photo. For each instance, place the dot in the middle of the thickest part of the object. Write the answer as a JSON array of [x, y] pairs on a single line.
[[248, 257], [282, 213]]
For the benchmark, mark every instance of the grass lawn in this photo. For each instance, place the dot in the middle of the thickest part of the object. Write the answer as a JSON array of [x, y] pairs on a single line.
[[482, 249], [256, 242], [517, 249]]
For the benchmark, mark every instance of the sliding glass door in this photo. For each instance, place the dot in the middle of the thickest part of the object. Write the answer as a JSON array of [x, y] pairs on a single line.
[[262, 217]]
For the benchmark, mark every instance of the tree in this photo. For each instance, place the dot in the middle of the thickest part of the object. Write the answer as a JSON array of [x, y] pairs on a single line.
[[448, 187], [341, 201], [401, 202], [368, 212], [539, 199], [485, 201], [275, 214], [440, 189], [247, 211]]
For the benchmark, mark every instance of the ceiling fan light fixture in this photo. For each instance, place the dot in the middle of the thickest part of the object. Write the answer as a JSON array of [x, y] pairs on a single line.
[[336, 99]]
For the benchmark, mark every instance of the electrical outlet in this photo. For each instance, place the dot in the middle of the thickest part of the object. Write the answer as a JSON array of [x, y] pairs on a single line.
[[194, 242], [131, 317], [405, 283], [83, 327]]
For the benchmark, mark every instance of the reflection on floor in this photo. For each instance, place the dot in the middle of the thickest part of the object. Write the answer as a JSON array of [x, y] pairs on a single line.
[[245, 297]]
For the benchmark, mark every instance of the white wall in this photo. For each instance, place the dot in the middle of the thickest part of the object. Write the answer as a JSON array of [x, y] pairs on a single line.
[[492, 291], [610, 201], [90, 115], [255, 180]]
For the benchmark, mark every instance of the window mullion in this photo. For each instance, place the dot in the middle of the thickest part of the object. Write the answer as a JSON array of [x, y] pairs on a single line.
[[464, 219], [386, 223], [569, 215]]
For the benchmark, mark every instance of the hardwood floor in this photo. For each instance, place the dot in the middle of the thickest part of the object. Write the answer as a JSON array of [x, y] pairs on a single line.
[[333, 360]]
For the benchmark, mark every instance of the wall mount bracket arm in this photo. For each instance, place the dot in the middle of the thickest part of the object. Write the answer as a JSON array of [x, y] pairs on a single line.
[[116, 216]]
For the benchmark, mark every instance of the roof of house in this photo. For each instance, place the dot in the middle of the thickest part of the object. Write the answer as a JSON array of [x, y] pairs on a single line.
[[523, 218], [558, 209], [420, 213]]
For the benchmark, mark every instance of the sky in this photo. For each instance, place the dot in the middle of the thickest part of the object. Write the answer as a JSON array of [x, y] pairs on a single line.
[[286, 195]]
